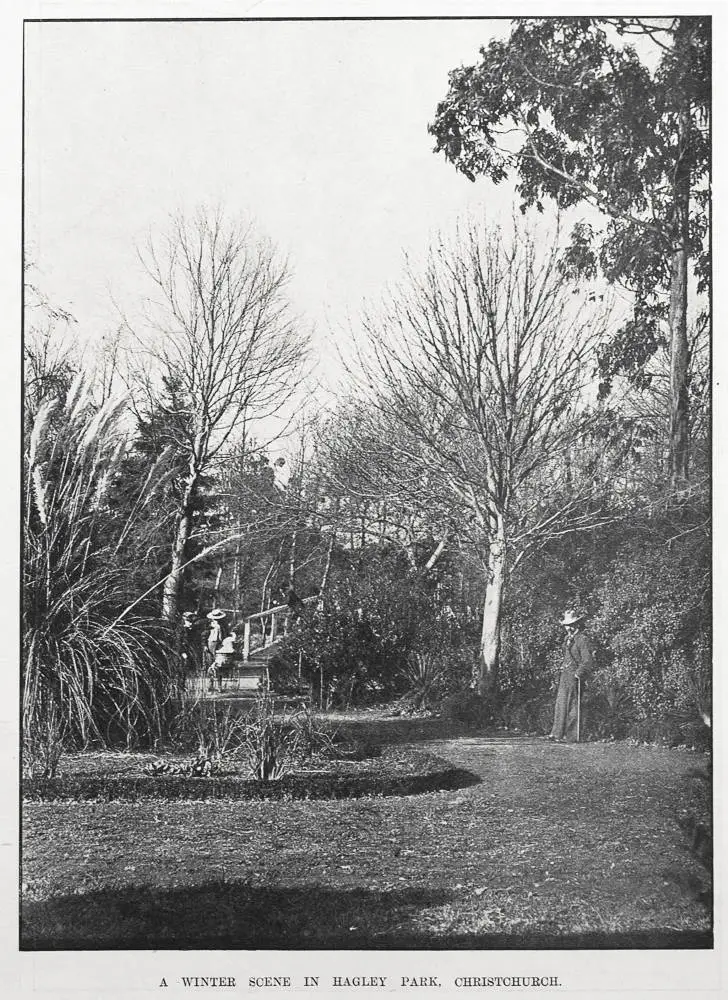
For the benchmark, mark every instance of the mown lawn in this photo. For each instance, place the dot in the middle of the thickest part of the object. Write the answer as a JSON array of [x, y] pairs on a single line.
[[556, 846]]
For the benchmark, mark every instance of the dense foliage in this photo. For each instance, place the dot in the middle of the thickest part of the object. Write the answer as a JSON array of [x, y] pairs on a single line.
[[572, 108], [95, 664], [380, 632], [647, 596]]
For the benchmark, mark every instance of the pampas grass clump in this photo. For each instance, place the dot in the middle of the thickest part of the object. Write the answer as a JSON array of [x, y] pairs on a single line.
[[94, 670]]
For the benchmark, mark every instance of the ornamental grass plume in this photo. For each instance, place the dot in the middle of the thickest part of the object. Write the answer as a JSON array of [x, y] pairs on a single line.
[[85, 677]]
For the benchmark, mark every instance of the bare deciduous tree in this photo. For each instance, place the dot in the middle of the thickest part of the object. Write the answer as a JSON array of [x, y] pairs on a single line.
[[220, 333], [480, 364], [366, 493]]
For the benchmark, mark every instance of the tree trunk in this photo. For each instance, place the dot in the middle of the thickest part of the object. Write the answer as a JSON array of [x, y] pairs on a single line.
[[439, 549], [236, 569], [409, 552], [327, 570], [265, 600], [567, 470], [382, 522], [292, 562], [490, 639], [173, 584], [678, 317]]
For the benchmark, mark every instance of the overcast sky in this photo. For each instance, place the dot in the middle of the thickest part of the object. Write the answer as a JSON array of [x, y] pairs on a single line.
[[319, 130]]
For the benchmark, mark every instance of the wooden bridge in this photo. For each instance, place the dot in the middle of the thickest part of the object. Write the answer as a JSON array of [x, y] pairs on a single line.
[[262, 633]]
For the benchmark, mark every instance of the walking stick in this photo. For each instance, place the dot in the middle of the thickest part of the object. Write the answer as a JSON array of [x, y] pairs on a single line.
[[578, 708]]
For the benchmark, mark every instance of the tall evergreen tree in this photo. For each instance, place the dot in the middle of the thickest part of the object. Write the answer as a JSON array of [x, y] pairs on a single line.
[[569, 106]]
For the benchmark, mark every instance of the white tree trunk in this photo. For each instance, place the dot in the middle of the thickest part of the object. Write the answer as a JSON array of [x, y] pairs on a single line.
[[440, 548], [173, 584], [490, 638], [292, 561], [327, 570], [236, 568]]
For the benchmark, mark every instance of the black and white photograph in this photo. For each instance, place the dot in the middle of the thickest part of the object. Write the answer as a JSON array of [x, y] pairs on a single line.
[[365, 493]]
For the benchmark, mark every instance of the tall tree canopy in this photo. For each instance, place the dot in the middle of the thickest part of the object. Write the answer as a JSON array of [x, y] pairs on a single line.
[[478, 365], [569, 105], [221, 337]]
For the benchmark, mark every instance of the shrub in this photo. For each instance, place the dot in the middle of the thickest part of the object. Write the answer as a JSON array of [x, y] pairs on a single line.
[[268, 741], [214, 728], [344, 658], [466, 706], [605, 714], [361, 645], [527, 714], [423, 674], [43, 744], [671, 729], [653, 625], [457, 660], [89, 657], [309, 735], [647, 599], [283, 676]]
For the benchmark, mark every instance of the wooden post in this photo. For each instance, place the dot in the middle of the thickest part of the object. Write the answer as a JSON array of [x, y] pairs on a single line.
[[273, 628], [246, 642]]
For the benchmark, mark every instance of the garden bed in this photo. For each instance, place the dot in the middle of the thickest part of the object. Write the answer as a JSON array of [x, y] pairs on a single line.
[[104, 777]]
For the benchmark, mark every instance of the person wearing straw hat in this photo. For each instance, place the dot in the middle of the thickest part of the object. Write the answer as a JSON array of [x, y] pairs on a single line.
[[215, 617], [578, 660]]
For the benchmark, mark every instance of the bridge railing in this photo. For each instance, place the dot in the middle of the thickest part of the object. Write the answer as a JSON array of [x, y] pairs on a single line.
[[277, 616]]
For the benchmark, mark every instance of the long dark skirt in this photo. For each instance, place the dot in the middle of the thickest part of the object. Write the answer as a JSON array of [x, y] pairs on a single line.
[[565, 711]]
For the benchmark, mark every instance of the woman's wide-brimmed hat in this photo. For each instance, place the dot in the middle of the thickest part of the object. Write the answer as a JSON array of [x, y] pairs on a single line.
[[571, 618], [216, 614]]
